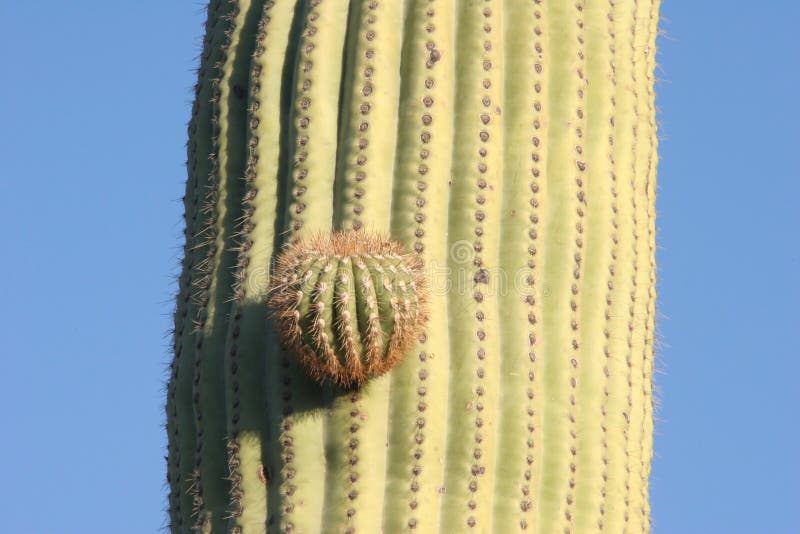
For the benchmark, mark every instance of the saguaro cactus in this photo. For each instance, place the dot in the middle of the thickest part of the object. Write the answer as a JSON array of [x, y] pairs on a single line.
[[507, 152]]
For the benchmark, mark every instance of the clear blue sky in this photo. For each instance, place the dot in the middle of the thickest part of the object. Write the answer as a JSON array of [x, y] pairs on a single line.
[[93, 102]]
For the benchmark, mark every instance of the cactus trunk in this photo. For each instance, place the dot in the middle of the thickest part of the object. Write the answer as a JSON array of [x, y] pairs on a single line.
[[508, 147]]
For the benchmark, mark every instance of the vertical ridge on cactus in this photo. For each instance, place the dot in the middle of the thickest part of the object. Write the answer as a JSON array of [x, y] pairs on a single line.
[[509, 147]]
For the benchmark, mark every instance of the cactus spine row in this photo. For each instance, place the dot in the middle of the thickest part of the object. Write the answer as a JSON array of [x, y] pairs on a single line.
[[509, 146]]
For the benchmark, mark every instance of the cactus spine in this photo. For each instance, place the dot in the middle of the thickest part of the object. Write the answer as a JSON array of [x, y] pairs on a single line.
[[507, 146]]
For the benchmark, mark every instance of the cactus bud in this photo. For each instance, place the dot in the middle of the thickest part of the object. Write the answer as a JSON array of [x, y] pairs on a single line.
[[347, 305]]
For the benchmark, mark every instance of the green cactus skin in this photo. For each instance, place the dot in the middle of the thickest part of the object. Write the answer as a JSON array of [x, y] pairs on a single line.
[[510, 146]]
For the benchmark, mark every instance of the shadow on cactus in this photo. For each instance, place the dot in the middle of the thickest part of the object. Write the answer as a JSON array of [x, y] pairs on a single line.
[[348, 305]]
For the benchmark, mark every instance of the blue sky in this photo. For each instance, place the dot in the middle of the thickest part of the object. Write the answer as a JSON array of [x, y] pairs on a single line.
[[94, 101]]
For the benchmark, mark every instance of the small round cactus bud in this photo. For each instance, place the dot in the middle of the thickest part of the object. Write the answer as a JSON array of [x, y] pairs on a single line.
[[348, 305]]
